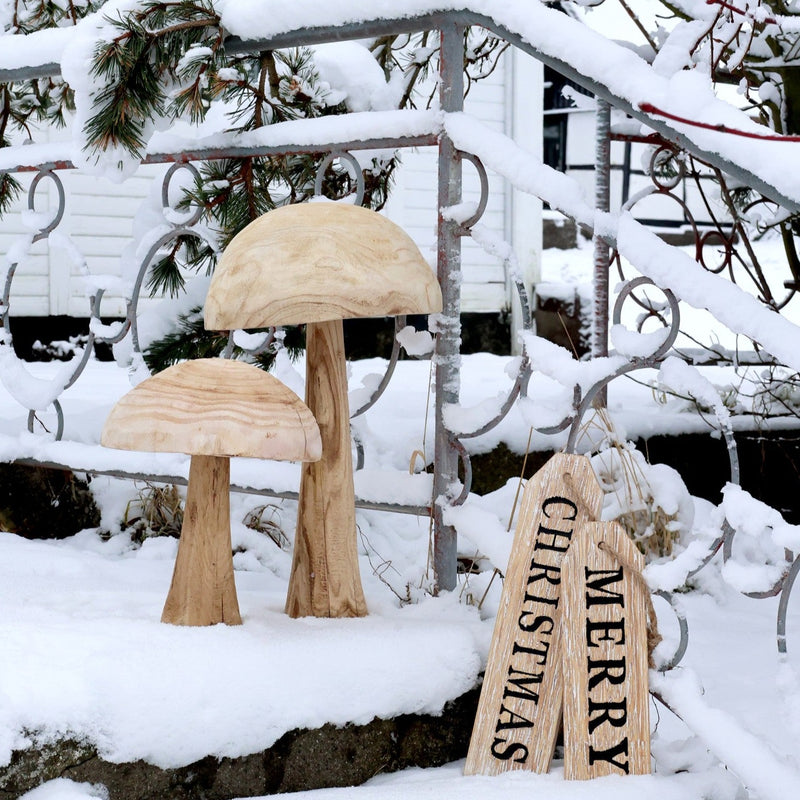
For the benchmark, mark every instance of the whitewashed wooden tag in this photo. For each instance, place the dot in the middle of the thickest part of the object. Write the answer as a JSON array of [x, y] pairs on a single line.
[[604, 656], [520, 704]]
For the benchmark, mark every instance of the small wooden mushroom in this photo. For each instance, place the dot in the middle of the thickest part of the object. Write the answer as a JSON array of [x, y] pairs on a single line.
[[211, 409], [320, 263]]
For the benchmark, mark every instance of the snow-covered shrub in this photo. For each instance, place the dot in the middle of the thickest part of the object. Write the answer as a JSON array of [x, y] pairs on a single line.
[[155, 511], [777, 393], [266, 519], [650, 501]]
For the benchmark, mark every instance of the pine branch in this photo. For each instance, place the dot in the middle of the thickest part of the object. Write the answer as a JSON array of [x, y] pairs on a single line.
[[135, 67]]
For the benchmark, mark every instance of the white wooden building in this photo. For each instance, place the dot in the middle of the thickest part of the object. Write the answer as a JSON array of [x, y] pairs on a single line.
[[99, 214]]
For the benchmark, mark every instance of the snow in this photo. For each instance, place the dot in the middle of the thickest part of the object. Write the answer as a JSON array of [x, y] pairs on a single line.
[[687, 93], [414, 342], [109, 611], [356, 127], [447, 783], [350, 67], [83, 651], [80, 625], [65, 789], [762, 770], [637, 345]]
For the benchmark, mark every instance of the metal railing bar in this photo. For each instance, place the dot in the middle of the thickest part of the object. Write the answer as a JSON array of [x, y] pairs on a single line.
[[185, 156], [179, 480], [436, 20]]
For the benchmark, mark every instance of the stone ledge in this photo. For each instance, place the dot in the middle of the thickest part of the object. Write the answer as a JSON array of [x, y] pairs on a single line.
[[299, 760]]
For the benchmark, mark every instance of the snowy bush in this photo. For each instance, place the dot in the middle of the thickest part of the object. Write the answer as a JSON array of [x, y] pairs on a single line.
[[650, 501]]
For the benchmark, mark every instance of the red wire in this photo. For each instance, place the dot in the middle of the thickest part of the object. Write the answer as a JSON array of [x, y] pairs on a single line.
[[730, 7], [649, 108]]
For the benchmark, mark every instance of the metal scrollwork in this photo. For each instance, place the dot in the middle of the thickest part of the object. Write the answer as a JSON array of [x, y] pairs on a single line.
[[505, 253], [715, 248], [66, 378], [353, 167]]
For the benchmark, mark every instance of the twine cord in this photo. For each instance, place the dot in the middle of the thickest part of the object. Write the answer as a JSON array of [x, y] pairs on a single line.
[[581, 500]]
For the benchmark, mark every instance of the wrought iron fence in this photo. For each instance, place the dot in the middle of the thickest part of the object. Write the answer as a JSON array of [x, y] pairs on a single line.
[[449, 448]]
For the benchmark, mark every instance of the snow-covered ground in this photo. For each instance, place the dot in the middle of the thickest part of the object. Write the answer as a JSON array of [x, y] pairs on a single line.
[[84, 652]]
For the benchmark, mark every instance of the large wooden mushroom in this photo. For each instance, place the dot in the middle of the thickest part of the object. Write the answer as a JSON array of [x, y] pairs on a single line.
[[320, 263], [211, 409]]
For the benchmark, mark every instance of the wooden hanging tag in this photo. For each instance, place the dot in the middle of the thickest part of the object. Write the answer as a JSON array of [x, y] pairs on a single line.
[[604, 656], [519, 710]]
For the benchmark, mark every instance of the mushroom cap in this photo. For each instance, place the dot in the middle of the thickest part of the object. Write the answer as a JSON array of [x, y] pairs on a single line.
[[214, 407], [313, 262]]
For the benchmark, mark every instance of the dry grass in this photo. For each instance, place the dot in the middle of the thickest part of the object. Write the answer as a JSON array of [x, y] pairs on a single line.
[[266, 519], [622, 472], [155, 511]]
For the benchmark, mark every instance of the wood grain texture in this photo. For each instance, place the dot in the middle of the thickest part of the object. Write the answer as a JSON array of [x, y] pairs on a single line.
[[519, 711], [325, 580], [214, 406], [313, 262], [203, 591], [604, 655]]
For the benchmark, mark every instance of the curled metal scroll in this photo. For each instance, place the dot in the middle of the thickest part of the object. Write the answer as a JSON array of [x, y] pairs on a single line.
[[483, 199], [177, 230], [45, 173], [783, 605], [466, 463], [649, 362], [777, 586], [59, 420], [152, 252], [519, 386], [268, 341], [683, 626], [48, 228], [399, 324], [194, 216], [353, 167], [520, 381]]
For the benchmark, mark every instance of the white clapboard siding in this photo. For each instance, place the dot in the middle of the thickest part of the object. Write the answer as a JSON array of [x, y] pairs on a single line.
[[98, 219], [100, 223], [99, 215], [413, 203], [510, 101], [30, 290]]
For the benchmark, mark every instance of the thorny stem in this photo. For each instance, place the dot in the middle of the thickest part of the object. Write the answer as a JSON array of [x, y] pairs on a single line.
[[649, 108], [791, 250], [730, 7], [638, 23], [759, 279]]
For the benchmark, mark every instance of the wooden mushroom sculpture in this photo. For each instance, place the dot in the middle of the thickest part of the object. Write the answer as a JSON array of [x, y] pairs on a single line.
[[211, 409], [320, 263]]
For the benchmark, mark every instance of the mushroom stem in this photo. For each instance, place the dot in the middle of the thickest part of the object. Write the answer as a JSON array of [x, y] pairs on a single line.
[[203, 591], [325, 579]]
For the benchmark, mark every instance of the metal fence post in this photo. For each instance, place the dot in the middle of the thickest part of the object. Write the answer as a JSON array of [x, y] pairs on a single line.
[[602, 201], [447, 356]]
